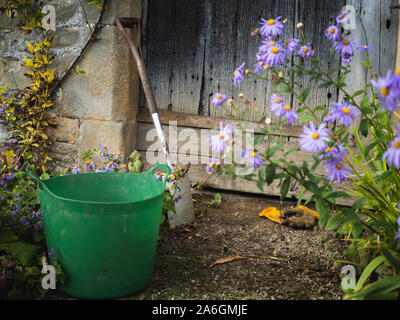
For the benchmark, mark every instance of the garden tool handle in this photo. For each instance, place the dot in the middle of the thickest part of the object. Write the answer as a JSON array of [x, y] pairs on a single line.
[[148, 91], [144, 76]]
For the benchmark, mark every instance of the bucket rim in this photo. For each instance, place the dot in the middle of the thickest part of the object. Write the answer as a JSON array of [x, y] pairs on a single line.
[[42, 183]]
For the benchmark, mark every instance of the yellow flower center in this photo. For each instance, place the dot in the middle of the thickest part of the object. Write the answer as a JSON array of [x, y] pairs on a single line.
[[119, 153], [365, 47], [346, 42], [219, 97], [315, 136], [287, 41], [111, 162], [305, 49], [275, 50], [286, 107], [221, 137], [332, 30], [124, 166], [272, 43], [397, 71], [396, 144], [384, 91], [253, 154], [75, 167], [341, 17], [339, 166], [234, 73], [346, 110], [105, 146], [99, 151], [157, 173], [278, 100], [87, 161], [271, 22], [329, 149], [262, 63]]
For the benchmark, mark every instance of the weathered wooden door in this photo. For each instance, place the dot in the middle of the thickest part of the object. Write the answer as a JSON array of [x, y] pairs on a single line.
[[192, 47]]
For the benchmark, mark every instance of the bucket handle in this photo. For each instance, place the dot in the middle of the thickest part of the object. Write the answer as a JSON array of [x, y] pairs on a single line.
[[165, 167], [41, 184]]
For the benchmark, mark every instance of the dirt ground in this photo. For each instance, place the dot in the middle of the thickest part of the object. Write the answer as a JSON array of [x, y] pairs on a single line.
[[284, 263]]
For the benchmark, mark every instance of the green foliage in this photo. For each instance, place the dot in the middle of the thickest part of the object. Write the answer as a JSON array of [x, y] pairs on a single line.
[[371, 224]]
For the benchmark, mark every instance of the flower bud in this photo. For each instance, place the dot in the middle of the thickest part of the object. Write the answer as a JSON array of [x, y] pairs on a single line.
[[299, 25]]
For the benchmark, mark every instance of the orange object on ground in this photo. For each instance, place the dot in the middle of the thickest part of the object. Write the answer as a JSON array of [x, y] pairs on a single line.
[[299, 217]]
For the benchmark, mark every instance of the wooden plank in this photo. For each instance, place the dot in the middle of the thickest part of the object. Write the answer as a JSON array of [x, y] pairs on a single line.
[[198, 173], [196, 121], [185, 143], [175, 53], [316, 16]]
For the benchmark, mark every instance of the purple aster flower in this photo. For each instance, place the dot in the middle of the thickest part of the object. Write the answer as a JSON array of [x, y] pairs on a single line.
[[76, 169], [210, 165], [336, 170], [397, 237], [259, 66], [218, 142], [292, 45], [364, 47], [389, 91], [344, 113], [123, 167], [345, 47], [119, 154], [346, 58], [272, 27], [336, 152], [276, 55], [290, 115], [307, 51], [157, 175], [10, 176], [254, 158], [276, 104], [238, 75], [341, 18], [314, 139], [110, 166], [333, 33], [392, 154], [218, 99]]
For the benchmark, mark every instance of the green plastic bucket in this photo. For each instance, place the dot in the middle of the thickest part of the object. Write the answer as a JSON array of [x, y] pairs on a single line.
[[103, 228]]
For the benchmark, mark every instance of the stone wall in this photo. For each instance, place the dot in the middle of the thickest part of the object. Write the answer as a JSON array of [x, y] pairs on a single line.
[[97, 107]]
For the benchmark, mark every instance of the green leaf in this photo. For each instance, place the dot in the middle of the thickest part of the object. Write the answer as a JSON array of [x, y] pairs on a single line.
[[368, 270], [312, 186], [303, 96], [305, 118], [392, 260], [334, 221], [260, 185], [7, 235], [24, 252], [270, 172], [358, 203], [323, 211], [338, 194], [285, 89], [364, 126], [285, 187]]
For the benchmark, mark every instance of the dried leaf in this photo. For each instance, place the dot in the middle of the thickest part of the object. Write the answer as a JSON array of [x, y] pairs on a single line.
[[225, 260]]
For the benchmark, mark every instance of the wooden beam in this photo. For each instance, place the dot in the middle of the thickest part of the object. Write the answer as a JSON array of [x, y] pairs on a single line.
[[204, 122]]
